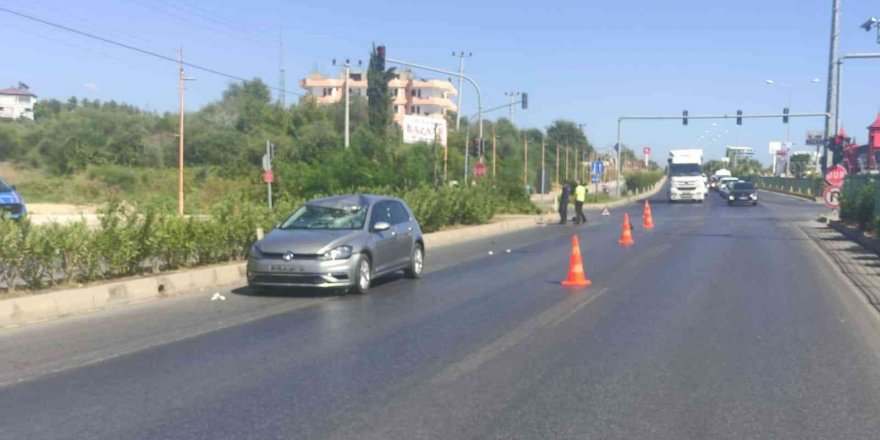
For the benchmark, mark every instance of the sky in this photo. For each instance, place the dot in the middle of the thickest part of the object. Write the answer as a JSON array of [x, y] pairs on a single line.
[[586, 61]]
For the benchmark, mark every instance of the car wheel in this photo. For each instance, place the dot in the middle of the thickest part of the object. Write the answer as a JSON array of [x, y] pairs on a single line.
[[416, 263], [363, 275], [754, 203]]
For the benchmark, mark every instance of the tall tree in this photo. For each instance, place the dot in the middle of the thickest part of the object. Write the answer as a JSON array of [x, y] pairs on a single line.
[[564, 132], [377, 91]]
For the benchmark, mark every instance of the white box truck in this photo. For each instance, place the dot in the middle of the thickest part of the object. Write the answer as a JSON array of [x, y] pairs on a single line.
[[685, 176]]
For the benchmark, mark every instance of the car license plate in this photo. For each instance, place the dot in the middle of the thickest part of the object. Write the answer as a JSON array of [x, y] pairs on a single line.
[[743, 198], [285, 269]]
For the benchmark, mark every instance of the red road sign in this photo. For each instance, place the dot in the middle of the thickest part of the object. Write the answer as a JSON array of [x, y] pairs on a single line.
[[831, 197], [480, 170], [835, 175], [646, 151], [781, 153], [268, 176]]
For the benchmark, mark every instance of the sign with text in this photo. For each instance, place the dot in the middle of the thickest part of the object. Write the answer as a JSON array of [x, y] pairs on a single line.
[[424, 129], [815, 137], [835, 175], [597, 167]]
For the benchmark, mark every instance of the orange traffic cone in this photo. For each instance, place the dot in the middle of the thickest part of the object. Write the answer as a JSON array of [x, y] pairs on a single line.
[[576, 276], [647, 218], [626, 237]]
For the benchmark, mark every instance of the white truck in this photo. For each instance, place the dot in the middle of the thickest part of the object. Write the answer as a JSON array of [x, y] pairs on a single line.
[[685, 175]]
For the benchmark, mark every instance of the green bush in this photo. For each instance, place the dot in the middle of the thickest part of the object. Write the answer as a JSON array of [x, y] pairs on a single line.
[[640, 181], [864, 206]]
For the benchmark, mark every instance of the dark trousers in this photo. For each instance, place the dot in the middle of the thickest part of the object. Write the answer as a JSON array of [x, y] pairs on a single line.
[[563, 213], [579, 212]]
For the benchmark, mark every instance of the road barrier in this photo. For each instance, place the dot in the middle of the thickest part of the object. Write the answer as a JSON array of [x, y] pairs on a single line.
[[854, 184], [807, 187]]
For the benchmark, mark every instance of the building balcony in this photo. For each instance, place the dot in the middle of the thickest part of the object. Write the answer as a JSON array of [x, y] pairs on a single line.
[[435, 101]]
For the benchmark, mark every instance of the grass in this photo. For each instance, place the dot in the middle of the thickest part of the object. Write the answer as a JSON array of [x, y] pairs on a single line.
[[100, 184]]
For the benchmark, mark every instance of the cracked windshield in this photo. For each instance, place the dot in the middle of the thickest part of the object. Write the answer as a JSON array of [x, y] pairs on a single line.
[[457, 220]]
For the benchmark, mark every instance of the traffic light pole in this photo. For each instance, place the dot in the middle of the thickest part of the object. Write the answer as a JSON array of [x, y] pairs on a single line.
[[738, 117]]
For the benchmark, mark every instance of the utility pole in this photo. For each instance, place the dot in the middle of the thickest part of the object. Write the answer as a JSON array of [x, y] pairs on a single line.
[[543, 163], [347, 92], [183, 78], [567, 148], [512, 96], [461, 56], [445, 154], [281, 72], [494, 152], [525, 160], [557, 164], [831, 97]]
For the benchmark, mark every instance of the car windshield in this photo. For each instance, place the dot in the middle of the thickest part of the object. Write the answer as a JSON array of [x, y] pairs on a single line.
[[324, 217], [685, 169], [5, 187], [744, 185]]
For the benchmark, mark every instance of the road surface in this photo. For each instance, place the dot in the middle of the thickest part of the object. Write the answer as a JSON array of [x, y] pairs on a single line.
[[722, 323]]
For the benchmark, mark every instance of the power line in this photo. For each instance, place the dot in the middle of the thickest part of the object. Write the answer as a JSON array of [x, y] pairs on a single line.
[[207, 14], [133, 48]]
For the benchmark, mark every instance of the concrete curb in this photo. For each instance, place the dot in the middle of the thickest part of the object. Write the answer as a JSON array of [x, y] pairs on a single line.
[[60, 303], [856, 235], [638, 197]]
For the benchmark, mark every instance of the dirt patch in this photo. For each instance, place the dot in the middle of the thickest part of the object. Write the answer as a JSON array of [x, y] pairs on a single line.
[[60, 209]]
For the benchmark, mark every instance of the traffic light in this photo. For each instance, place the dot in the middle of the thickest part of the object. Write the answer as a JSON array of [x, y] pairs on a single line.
[[684, 117], [739, 119], [525, 101], [380, 51], [785, 117]]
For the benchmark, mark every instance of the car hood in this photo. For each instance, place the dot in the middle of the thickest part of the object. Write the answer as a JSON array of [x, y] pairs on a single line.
[[9, 197], [306, 241]]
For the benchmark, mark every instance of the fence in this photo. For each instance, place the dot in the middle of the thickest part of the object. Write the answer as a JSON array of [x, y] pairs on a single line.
[[805, 187]]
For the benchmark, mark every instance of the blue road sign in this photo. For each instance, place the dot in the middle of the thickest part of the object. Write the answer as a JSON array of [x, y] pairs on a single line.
[[595, 178], [597, 167]]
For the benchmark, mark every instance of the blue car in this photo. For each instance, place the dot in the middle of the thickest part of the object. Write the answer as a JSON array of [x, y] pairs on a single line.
[[11, 204]]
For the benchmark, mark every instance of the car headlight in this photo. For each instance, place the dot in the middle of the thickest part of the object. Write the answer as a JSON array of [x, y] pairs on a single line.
[[340, 253], [753, 196], [730, 198], [256, 252]]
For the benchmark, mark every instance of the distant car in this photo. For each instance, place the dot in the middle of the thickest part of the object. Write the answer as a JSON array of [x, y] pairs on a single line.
[[11, 204], [341, 242], [743, 192], [724, 185]]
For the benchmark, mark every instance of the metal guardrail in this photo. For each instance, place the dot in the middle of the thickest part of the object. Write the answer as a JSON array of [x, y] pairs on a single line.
[[805, 187]]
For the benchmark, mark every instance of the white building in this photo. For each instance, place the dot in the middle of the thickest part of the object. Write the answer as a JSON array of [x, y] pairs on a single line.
[[16, 103]]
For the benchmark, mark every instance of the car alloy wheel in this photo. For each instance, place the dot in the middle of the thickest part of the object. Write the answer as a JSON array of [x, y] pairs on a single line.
[[417, 263], [364, 275]]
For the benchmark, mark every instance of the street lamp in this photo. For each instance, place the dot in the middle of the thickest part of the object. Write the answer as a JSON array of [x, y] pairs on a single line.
[[512, 96], [790, 88], [872, 22], [461, 56]]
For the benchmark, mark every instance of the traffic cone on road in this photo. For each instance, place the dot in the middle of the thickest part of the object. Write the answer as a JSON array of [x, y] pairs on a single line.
[[626, 237], [647, 218], [576, 276]]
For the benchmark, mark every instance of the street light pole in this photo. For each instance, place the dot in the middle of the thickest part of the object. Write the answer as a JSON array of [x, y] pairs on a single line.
[[347, 93], [512, 96], [183, 78], [461, 55]]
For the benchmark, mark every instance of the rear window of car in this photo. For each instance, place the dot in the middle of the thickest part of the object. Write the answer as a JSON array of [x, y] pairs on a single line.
[[744, 185]]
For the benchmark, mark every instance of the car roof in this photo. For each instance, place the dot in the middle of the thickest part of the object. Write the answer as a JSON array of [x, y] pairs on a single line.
[[349, 200]]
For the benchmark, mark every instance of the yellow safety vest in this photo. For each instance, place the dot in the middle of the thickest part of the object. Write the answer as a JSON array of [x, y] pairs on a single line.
[[580, 193]]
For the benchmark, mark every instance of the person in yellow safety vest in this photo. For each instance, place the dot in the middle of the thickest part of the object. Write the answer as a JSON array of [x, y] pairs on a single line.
[[580, 196]]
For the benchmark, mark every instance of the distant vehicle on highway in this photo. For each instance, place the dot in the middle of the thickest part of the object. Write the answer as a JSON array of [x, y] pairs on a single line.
[[724, 185], [719, 174], [686, 176], [743, 192], [341, 242], [11, 204]]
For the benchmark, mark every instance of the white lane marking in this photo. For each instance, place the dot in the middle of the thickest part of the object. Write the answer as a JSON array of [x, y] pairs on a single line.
[[548, 318]]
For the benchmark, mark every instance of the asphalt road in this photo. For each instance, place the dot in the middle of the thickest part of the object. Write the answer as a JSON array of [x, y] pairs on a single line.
[[722, 323]]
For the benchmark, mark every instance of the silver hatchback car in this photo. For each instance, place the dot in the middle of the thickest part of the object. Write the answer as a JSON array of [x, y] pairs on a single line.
[[341, 242]]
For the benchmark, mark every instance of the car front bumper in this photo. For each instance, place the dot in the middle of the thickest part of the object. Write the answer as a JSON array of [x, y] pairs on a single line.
[[677, 194], [301, 273]]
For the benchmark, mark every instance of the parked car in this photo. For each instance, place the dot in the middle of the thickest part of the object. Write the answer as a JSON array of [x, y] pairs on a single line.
[[341, 242], [724, 185], [11, 204], [743, 192]]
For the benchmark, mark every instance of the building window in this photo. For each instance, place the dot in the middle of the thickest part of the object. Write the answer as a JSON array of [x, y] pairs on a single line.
[[412, 109], [418, 110], [414, 93], [24, 99], [327, 92]]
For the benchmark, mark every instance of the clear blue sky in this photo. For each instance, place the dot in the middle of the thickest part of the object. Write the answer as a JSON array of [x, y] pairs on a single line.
[[586, 61]]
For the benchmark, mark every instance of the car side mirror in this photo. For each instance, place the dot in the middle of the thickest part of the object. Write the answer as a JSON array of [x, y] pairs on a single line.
[[277, 225], [381, 226]]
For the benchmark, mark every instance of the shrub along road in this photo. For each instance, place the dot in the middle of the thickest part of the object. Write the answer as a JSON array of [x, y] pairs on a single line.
[[722, 323]]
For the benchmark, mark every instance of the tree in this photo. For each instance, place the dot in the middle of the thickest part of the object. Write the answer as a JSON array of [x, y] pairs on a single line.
[[377, 91], [564, 133], [800, 164], [712, 166]]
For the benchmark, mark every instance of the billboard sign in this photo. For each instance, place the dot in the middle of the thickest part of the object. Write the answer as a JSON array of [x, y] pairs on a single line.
[[424, 129], [814, 138], [774, 147]]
